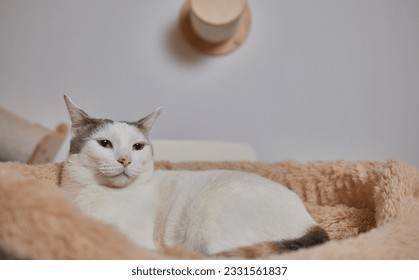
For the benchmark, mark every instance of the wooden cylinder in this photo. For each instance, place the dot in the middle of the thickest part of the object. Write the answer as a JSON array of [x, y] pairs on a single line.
[[215, 27], [216, 20]]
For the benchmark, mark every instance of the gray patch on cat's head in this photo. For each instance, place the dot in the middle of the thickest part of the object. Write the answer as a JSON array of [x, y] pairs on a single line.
[[84, 131], [145, 125], [82, 126]]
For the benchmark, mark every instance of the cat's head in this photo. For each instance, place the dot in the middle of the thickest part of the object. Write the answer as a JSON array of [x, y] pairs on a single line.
[[115, 153]]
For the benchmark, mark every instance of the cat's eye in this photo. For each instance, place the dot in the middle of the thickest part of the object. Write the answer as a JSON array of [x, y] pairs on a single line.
[[138, 146], [105, 143]]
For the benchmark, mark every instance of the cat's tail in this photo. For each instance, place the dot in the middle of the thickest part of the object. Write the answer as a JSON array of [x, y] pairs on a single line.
[[314, 236]]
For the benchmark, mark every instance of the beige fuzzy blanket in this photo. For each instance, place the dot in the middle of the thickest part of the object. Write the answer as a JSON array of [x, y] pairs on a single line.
[[369, 209]]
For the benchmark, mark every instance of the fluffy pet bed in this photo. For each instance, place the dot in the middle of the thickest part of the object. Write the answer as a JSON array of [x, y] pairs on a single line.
[[369, 209]]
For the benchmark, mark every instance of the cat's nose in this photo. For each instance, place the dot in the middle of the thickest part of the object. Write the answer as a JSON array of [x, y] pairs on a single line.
[[124, 161]]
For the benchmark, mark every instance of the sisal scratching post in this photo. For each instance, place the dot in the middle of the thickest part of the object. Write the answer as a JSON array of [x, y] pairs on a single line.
[[215, 26], [27, 142]]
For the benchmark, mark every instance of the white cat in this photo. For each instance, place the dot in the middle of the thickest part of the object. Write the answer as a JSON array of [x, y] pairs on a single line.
[[110, 174]]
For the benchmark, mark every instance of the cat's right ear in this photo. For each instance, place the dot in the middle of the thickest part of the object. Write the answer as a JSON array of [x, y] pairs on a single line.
[[78, 116], [145, 124]]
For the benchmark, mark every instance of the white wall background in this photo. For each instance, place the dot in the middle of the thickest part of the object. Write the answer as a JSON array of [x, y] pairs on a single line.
[[315, 80]]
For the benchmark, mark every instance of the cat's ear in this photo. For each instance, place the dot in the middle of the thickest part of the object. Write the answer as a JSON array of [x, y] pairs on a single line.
[[146, 123], [78, 116]]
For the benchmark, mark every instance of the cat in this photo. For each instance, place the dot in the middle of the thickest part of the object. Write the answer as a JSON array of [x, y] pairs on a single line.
[[109, 173]]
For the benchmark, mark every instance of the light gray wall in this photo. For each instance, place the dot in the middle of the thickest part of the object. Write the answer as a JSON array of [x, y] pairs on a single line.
[[315, 80]]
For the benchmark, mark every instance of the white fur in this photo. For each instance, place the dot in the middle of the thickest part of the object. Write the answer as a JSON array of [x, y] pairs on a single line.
[[206, 211]]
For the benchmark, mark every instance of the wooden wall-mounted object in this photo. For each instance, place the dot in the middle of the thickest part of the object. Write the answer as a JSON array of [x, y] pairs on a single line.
[[215, 26]]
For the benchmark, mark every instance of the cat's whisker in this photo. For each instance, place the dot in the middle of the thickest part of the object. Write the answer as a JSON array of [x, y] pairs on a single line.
[[99, 174]]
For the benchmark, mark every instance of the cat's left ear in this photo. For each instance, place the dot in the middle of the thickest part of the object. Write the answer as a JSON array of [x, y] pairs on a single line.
[[146, 123], [78, 116]]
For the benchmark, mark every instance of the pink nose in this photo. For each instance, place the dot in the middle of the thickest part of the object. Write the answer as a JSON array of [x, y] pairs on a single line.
[[124, 161]]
